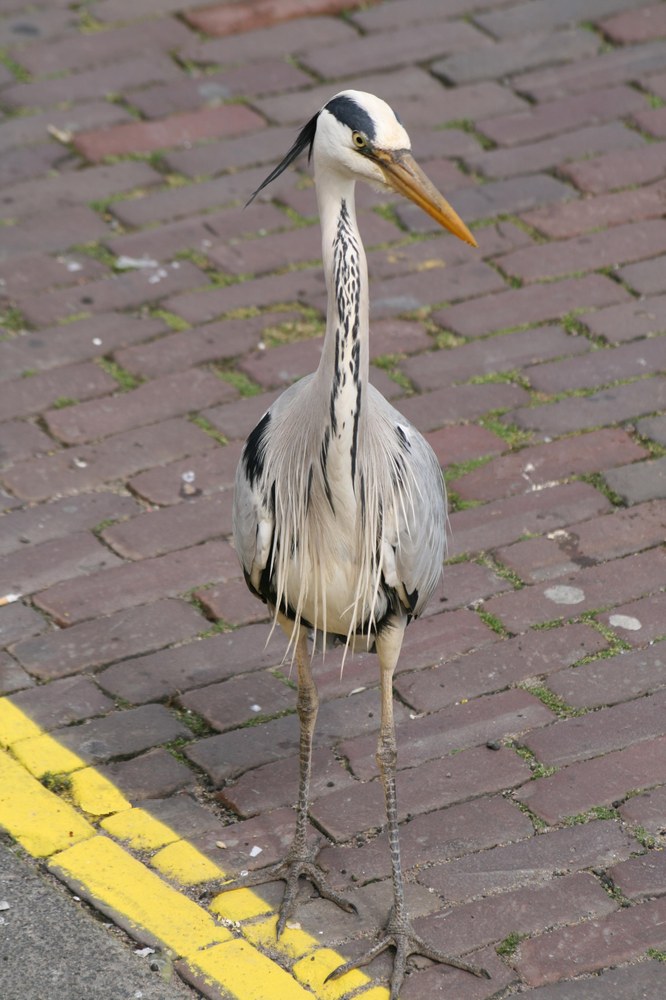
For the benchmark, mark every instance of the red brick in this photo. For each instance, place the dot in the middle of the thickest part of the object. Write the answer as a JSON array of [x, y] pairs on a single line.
[[609, 537], [93, 84], [619, 245], [496, 354], [498, 666], [75, 342], [555, 151], [560, 901], [122, 733], [522, 52], [229, 754], [56, 229], [236, 420], [653, 427], [226, 20], [12, 677], [62, 702], [639, 622], [274, 785], [646, 481], [644, 317], [189, 93], [263, 43], [159, 531], [27, 129], [609, 681], [592, 945], [123, 291], [642, 977], [408, 293], [41, 391], [233, 602], [440, 783], [270, 253], [231, 153], [460, 443], [387, 49], [295, 286], [636, 26], [534, 860], [454, 728], [442, 981], [574, 218], [519, 306], [96, 643], [539, 466], [19, 439], [612, 405], [98, 183], [61, 518], [452, 404], [116, 457], [617, 170], [35, 24], [600, 367], [140, 582], [432, 838], [563, 115], [606, 70], [78, 51], [18, 621], [161, 399], [646, 278], [611, 583], [484, 201], [504, 521], [39, 566], [23, 162], [597, 733], [176, 130], [641, 878], [579, 787], [539, 14], [151, 775], [213, 471], [163, 675], [38, 271], [239, 700], [647, 810]]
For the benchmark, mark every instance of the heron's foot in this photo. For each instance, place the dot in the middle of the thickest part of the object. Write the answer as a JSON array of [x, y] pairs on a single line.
[[401, 936], [295, 866]]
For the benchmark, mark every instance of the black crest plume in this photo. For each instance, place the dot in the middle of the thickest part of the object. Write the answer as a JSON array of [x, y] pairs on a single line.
[[304, 140]]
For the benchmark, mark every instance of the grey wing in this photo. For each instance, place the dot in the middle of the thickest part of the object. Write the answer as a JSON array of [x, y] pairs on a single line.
[[416, 533], [253, 515]]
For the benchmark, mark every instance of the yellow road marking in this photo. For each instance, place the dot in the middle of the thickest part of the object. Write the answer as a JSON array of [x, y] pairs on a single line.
[[40, 821], [140, 899]]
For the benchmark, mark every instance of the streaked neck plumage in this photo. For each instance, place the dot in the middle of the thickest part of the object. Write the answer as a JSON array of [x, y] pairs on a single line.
[[342, 375]]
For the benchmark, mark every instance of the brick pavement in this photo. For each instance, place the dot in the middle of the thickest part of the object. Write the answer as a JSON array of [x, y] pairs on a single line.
[[147, 320]]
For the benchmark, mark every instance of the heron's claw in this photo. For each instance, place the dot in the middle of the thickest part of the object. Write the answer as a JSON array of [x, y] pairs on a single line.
[[406, 942], [293, 868]]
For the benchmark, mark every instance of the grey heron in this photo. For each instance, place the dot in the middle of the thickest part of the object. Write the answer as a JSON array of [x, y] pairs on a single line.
[[339, 509]]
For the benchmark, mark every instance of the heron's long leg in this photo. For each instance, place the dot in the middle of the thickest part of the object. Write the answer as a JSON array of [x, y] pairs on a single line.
[[398, 931], [300, 859]]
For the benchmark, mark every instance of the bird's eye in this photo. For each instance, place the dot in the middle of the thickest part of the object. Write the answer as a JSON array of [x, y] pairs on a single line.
[[359, 140]]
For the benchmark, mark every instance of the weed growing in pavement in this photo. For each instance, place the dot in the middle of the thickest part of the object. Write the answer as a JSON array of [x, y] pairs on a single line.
[[660, 956], [174, 322], [552, 701], [538, 769], [389, 364], [12, 321], [125, 379], [509, 945], [492, 622], [60, 783], [239, 380], [62, 402], [207, 428], [645, 839], [596, 812]]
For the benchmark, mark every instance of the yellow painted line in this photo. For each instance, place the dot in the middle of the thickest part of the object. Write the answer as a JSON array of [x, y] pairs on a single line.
[[105, 871], [146, 900], [40, 821], [245, 972], [139, 829]]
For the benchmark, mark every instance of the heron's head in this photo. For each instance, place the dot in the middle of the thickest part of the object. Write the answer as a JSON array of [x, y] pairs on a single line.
[[360, 136]]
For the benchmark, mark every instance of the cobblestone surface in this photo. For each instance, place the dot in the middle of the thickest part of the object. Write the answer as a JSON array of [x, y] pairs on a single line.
[[146, 321]]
